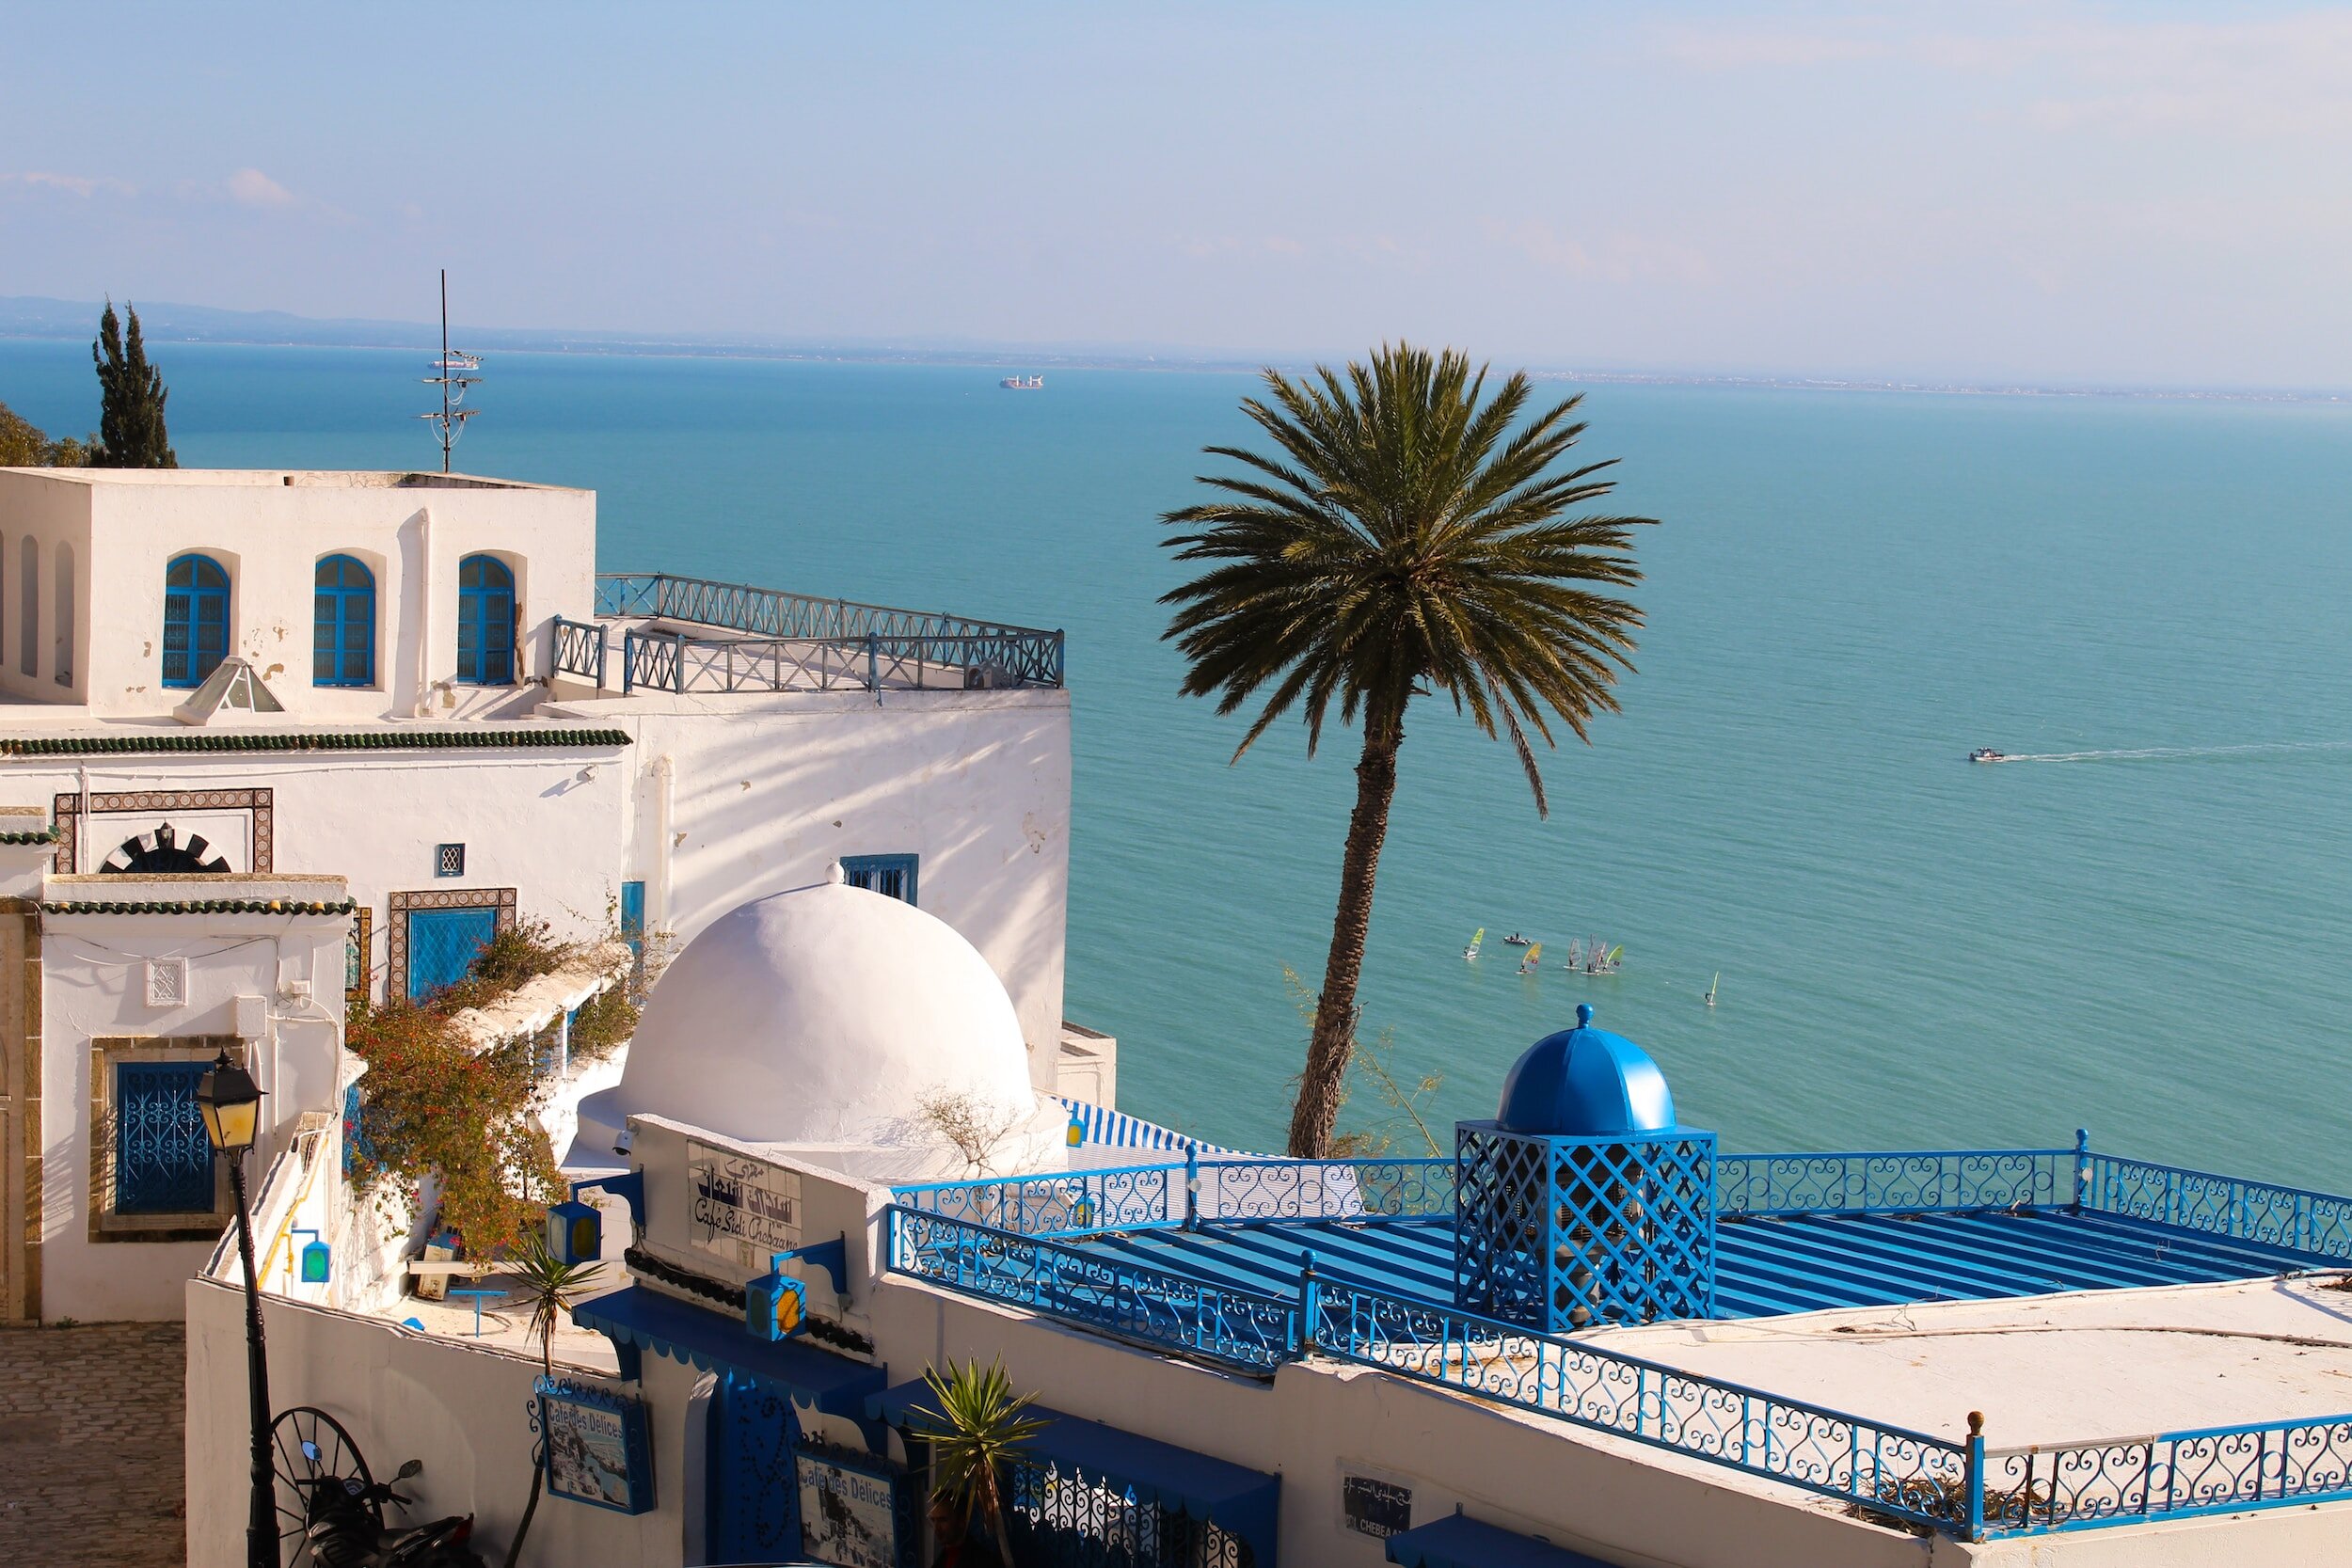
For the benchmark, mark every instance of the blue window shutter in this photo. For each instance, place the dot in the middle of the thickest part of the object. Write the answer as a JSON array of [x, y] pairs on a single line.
[[485, 621], [343, 641], [442, 944], [196, 621], [163, 1161], [892, 876], [633, 916]]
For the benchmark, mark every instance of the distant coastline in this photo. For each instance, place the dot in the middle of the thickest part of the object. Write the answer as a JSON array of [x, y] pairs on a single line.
[[44, 318]]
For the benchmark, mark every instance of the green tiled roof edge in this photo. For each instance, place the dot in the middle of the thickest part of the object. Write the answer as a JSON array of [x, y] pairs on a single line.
[[205, 906], [388, 740]]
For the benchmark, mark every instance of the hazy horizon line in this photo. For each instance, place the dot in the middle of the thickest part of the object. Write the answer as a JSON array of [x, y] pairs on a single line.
[[31, 318]]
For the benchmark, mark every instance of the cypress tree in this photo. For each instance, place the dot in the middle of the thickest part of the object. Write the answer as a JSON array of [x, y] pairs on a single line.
[[131, 395]]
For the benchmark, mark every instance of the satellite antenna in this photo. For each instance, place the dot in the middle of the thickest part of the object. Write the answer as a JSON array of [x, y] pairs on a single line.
[[453, 372]]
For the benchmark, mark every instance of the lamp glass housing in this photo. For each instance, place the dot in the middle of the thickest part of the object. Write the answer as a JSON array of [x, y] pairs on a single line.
[[230, 1104]]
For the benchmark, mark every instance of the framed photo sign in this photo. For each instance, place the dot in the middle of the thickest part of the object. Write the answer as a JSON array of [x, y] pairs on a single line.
[[856, 1510], [597, 1448]]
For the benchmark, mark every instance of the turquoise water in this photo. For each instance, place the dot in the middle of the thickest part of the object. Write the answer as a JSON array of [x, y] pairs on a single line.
[[1849, 593]]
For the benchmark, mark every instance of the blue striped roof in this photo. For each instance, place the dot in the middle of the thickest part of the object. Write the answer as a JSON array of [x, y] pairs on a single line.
[[1767, 1267]]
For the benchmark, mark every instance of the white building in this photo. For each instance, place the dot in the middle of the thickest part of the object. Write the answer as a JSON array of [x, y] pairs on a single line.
[[406, 708], [1589, 1338]]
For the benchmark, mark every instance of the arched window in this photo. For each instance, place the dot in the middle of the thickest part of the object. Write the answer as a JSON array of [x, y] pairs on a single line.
[[196, 619], [28, 600], [485, 621], [65, 615], [342, 645]]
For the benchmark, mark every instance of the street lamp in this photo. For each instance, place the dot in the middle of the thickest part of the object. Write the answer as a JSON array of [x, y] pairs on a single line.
[[231, 1103]]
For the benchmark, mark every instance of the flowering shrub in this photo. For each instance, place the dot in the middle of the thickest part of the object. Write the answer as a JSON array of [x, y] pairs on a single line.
[[432, 1105]]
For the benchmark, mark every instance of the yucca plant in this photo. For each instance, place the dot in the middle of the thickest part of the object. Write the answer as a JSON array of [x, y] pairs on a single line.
[[1406, 539], [546, 1288], [976, 1427]]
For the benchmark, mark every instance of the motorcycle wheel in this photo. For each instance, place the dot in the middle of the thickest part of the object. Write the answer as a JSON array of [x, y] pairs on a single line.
[[310, 1444]]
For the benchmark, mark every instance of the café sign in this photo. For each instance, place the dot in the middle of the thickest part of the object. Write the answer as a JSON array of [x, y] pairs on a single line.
[[741, 1209]]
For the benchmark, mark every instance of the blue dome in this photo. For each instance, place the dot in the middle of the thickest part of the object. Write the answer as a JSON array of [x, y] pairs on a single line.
[[1585, 1082]]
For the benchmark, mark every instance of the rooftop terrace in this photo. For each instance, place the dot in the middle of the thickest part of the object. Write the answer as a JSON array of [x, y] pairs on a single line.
[[682, 635], [1919, 1287]]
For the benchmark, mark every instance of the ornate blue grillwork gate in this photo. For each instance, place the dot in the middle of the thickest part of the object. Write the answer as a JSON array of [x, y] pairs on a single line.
[[1065, 1518], [753, 1494], [163, 1162]]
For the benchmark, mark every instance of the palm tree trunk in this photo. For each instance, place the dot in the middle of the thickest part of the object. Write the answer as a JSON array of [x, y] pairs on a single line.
[[1323, 1084]]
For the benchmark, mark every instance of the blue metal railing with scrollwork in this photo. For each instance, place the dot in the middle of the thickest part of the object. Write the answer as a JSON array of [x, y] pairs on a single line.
[[1060, 1203], [1276, 1192], [1897, 1183], [2292, 1217], [793, 642], [2173, 1475], [1887, 1469], [1159, 1308]]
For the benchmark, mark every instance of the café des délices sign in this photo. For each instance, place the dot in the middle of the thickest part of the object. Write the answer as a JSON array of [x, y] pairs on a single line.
[[741, 1209]]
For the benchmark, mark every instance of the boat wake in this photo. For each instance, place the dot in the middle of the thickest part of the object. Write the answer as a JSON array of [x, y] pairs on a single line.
[[2151, 753]]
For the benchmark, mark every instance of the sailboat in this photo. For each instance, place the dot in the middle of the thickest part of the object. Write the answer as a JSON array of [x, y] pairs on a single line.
[[1534, 956], [1576, 955], [1711, 985], [1476, 937]]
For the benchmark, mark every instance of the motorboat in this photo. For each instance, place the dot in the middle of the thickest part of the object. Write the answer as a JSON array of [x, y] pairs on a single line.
[[1986, 754], [1515, 940]]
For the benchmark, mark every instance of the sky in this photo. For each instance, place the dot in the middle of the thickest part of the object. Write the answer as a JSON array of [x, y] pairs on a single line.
[[2144, 194]]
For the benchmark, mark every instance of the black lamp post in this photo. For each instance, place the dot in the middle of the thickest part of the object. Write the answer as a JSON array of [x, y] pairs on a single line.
[[231, 1106]]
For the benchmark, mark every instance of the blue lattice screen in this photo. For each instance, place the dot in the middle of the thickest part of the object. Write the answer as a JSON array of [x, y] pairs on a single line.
[[1560, 1233], [442, 944], [163, 1162], [892, 876]]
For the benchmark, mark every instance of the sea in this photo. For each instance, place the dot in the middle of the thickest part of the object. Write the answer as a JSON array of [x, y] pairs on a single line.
[[2143, 926]]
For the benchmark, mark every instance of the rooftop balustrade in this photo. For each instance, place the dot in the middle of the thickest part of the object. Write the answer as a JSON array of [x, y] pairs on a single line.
[[765, 639], [1112, 1250]]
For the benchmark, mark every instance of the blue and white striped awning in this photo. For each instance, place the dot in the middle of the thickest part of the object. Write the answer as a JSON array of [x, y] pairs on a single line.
[[1118, 1130]]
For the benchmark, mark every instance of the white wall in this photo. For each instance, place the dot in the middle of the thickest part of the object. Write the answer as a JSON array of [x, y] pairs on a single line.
[[56, 512], [527, 820], [768, 790], [458, 1407], [267, 528], [93, 983]]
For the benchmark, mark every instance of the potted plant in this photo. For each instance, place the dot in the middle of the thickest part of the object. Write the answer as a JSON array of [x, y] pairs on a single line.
[[976, 1427]]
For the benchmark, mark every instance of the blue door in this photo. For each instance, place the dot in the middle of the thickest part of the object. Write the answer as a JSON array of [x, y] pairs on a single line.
[[163, 1161], [442, 944], [753, 1494]]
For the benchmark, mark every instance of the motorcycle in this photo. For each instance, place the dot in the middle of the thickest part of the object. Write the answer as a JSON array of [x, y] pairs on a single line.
[[343, 1526]]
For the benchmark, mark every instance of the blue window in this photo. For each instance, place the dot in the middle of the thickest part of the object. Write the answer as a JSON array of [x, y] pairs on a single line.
[[343, 641], [195, 620], [442, 944], [892, 876], [163, 1161], [633, 916], [485, 621]]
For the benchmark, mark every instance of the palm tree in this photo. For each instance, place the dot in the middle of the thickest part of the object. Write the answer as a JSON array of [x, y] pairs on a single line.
[[1406, 540], [547, 1286], [974, 1431]]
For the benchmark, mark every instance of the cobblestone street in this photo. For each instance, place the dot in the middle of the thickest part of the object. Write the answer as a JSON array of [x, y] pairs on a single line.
[[90, 1460]]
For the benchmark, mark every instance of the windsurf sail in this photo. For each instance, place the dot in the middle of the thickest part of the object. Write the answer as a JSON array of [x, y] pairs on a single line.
[[1476, 937], [1534, 956]]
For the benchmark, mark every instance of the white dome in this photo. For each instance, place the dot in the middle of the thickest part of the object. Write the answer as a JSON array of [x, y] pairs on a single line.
[[824, 1015]]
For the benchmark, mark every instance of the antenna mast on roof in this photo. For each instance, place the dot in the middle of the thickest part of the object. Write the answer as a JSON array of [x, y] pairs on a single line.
[[453, 374]]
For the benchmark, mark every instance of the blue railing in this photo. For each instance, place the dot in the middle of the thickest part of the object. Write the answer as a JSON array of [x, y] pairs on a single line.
[[2174, 1474], [793, 642], [969, 1236], [1063, 1203], [1897, 1182], [1887, 1469], [2316, 1222], [1196, 1192], [579, 649], [1153, 1306]]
